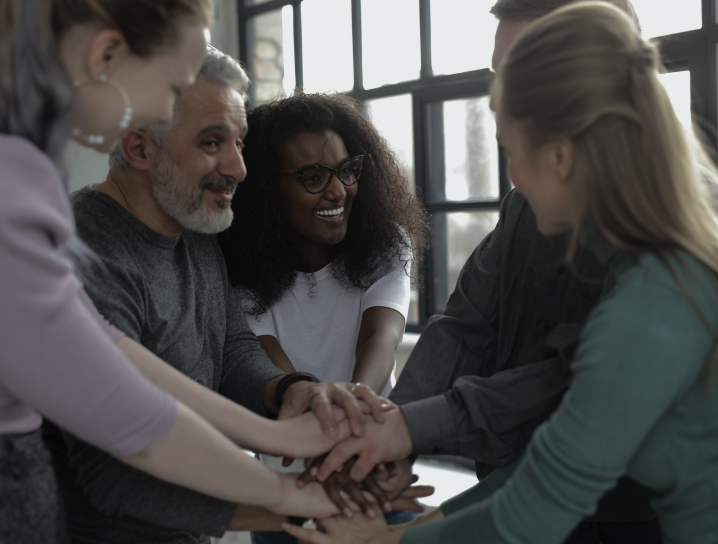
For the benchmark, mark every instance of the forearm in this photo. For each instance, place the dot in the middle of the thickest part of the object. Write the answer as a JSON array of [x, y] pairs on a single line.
[[237, 423], [255, 518], [195, 455], [375, 361]]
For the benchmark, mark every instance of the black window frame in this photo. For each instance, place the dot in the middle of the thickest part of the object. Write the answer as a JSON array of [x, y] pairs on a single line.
[[694, 50]]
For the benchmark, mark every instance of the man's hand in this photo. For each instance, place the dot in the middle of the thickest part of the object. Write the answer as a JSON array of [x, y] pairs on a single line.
[[319, 397], [389, 441], [248, 517], [348, 495]]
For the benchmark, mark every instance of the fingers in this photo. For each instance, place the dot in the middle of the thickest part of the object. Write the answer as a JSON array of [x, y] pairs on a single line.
[[375, 403], [308, 535], [408, 504], [320, 404], [349, 403], [341, 453], [417, 491], [364, 465], [371, 485], [334, 492]]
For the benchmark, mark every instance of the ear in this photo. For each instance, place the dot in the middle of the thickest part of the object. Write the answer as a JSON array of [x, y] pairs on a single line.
[[563, 156], [106, 49], [139, 149]]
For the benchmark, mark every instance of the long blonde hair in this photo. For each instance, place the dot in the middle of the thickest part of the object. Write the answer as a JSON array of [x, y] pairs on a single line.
[[585, 72]]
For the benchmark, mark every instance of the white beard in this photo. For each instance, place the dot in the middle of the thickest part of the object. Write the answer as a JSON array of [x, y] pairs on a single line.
[[172, 192]]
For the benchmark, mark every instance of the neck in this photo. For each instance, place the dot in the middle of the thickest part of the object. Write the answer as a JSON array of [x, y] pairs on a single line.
[[132, 191], [316, 256]]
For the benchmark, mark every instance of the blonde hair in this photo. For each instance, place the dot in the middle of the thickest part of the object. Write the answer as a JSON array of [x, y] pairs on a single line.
[[584, 72]]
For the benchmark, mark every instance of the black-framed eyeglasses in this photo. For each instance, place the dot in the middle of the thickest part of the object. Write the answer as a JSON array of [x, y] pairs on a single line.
[[318, 177]]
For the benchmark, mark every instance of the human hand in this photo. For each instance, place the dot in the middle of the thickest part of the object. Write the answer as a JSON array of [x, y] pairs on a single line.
[[389, 441], [349, 496], [309, 502], [319, 397], [359, 529]]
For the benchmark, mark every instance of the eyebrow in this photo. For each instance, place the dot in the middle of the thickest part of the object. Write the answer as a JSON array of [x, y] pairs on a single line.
[[317, 164], [216, 127]]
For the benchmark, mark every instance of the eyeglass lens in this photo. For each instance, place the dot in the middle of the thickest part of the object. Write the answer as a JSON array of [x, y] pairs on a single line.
[[317, 178]]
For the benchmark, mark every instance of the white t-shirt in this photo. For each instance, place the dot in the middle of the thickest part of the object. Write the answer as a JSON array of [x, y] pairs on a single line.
[[317, 323]]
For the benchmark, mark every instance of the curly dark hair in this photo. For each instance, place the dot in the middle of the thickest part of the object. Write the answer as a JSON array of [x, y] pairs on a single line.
[[387, 222]]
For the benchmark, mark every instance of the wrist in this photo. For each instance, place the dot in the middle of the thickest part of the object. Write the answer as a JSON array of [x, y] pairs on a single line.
[[288, 381]]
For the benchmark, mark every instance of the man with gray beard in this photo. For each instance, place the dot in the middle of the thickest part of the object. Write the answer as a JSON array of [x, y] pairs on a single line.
[[163, 281]]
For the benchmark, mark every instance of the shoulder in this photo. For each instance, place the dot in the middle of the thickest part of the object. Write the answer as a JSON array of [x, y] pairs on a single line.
[[32, 195], [655, 304]]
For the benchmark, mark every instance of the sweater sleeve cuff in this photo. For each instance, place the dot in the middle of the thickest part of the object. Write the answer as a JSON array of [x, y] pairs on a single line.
[[431, 426]]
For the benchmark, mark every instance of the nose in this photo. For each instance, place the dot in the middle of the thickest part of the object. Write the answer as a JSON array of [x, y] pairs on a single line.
[[232, 165], [336, 190]]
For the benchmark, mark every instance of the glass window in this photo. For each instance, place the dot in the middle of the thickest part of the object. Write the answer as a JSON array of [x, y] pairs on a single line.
[[390, 28], [273, 55], [678, 86], [327, 45], [470, 166], [456, 235], [663, 17], [393, 119], [462, 35]]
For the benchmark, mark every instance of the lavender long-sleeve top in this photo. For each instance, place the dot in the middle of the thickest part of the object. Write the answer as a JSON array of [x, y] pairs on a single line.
[[57, 354]]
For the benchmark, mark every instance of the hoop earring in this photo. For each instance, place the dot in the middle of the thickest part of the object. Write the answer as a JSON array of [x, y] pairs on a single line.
[[126, 118]]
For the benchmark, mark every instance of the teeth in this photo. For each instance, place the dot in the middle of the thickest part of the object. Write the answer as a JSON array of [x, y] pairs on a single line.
[[331, 213]]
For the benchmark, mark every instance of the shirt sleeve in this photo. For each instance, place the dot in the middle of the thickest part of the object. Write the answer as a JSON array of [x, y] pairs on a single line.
[[626, 377], [246, 367], [393, 290], [454, 400], [115, 489], [57, 357]]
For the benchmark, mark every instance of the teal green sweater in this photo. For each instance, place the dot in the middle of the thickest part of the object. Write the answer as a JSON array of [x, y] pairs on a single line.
[[637, 405]]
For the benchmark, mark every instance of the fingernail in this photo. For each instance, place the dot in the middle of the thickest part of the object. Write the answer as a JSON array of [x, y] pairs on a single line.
[[387, 506], [313, 471], [286, 526], [371, 513], [348, 513]]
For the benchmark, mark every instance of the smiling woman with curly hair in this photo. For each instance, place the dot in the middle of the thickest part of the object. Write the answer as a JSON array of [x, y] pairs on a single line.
[[321, 244]]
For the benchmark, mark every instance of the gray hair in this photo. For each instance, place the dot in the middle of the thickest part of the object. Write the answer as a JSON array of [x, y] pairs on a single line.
[[217, 67]]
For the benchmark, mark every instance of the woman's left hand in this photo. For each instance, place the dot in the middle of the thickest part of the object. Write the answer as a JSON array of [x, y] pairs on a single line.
[[359, 529]]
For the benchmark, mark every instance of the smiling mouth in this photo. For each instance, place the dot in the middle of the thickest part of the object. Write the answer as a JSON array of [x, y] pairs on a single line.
[[330, 213]]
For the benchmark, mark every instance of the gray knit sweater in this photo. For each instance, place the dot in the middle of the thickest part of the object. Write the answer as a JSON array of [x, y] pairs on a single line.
[[172, 296]]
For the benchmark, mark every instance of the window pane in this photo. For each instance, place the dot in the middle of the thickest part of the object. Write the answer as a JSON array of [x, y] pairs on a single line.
[[327, 45], [678, 86], [393, 119], [662, 17], [456, 235], [397, 20], [465, 163], [462, 35], [273, 55]]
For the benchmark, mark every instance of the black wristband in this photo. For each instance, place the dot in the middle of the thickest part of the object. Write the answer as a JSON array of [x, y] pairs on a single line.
[[288, 380]]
